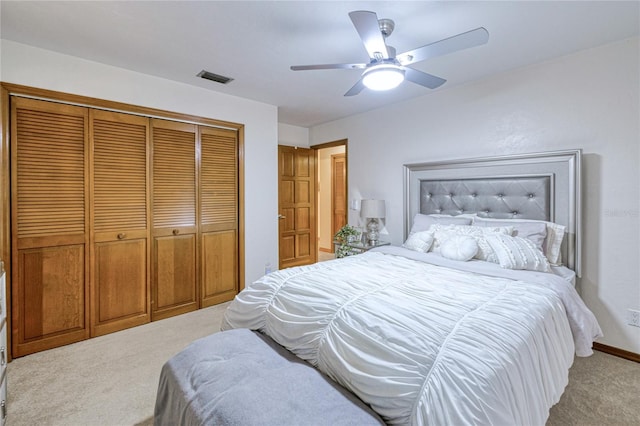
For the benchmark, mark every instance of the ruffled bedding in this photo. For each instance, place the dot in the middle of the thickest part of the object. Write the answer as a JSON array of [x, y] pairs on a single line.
[[425, 343]]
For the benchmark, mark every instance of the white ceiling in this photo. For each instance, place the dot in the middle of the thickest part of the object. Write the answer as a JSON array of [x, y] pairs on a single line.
[[256, 42]]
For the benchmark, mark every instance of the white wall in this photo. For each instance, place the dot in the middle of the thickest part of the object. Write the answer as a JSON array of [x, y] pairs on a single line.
[[293, 135], [22, 64], [588, 100]]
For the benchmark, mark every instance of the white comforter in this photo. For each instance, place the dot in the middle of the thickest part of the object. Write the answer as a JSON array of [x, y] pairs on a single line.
[[425, 344]]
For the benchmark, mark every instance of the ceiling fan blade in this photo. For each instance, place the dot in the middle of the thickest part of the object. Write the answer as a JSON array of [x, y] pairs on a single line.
[[366, 24], [422, 78], [357, 88], [462, 41], [328, 67]]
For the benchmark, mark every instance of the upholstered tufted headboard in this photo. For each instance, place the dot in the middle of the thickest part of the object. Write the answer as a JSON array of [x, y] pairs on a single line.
[[543, 186], [513, 197]]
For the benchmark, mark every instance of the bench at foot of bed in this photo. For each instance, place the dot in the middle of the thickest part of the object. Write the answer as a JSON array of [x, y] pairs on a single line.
[[240, 377]]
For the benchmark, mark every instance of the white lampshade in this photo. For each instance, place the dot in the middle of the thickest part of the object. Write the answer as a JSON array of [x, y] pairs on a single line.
[[372, 209], [383, 77]]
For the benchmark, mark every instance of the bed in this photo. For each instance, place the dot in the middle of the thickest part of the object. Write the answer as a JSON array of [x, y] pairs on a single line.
[[427, 334]]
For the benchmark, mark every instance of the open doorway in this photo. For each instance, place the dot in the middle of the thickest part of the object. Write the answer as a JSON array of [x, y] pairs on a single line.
[[331, 190]]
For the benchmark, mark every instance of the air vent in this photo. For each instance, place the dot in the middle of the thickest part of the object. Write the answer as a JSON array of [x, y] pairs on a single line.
[[214, 77]]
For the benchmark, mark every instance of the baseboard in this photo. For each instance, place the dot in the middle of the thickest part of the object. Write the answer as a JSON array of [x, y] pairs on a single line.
[[325, 250], [631, 356]]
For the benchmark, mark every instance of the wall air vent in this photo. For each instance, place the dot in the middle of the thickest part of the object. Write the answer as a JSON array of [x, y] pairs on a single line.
[[214, 77]]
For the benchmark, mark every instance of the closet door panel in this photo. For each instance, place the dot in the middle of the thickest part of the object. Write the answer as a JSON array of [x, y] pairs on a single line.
[[174, 194], [219, 267], [219, 214], [218, 179], [174, 175], [52, 280], [175, 272], [120, 285], [50, 210], [120, 272]]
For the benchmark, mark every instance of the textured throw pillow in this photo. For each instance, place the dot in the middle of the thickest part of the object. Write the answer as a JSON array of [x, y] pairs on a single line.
[[422, 222], [485, 252], [518, 253], [534, 231], [552, 241], [459, 247], [419, 241]]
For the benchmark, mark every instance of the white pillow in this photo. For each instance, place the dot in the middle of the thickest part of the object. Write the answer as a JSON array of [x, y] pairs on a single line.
[[459, 247], [422, 222], [485, 252], [551, 243], [458, 216], [534, 231], [518, 253], [419, 241]]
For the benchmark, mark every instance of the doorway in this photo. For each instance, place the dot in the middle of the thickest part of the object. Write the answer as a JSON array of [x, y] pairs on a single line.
[[332, 198]]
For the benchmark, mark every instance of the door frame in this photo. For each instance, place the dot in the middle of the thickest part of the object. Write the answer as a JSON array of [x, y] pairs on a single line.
[[334, 158], [316, 148]]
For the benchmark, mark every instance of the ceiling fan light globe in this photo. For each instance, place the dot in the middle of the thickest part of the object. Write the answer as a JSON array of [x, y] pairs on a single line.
[[383, 77]]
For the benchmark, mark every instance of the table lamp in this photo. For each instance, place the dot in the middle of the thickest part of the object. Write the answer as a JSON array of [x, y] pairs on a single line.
[[372, 211]]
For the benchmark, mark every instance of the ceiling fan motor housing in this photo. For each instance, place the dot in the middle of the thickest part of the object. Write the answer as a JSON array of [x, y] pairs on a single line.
[[386, 26]]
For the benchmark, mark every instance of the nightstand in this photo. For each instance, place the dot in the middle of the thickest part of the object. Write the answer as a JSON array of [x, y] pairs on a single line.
[[358, 247]]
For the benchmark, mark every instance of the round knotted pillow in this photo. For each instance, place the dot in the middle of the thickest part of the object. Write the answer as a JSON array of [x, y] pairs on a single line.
[[459, 247]]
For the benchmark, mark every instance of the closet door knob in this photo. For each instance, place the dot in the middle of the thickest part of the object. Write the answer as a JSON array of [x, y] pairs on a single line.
[[122, 236], [176, 231]]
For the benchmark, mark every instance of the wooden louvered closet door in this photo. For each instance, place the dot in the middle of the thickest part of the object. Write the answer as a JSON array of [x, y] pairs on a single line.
[[116, 220], [174, 282], [50, 211], [218, 215], [120, 294]]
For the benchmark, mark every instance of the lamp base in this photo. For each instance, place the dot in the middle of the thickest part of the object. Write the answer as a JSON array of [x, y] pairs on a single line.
[[372, 231]]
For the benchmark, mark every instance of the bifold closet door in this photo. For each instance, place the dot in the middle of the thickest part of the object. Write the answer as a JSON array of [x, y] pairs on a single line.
[[174, 232], [50, 226], [120, 257], [218, 214]]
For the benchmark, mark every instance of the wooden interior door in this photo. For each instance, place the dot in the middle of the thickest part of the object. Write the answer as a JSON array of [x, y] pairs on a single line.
[[119, 270], [338, 193], [174, 231], [297, 210], [218, 215], [50, 211]]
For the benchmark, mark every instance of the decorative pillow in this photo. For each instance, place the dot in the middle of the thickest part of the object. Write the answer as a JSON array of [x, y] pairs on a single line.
[[459, 247], [422, 222], [534, 231], [419, 241], [552, 240], [518, 253], [485, 252], [458, 216]]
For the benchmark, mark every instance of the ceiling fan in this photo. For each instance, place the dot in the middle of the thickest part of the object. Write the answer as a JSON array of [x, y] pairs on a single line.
[[386, 70]]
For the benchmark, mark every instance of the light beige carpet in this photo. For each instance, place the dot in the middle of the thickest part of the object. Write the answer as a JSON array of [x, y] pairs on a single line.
[[108, 380], [112, 380]]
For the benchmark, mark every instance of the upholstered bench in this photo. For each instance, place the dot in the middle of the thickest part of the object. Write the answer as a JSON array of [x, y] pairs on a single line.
[[240, 377]]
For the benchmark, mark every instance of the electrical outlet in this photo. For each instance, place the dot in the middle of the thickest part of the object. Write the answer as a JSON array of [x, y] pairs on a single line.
[[633, 317]]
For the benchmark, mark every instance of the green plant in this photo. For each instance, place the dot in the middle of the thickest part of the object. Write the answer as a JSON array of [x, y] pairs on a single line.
[[345, 235]]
